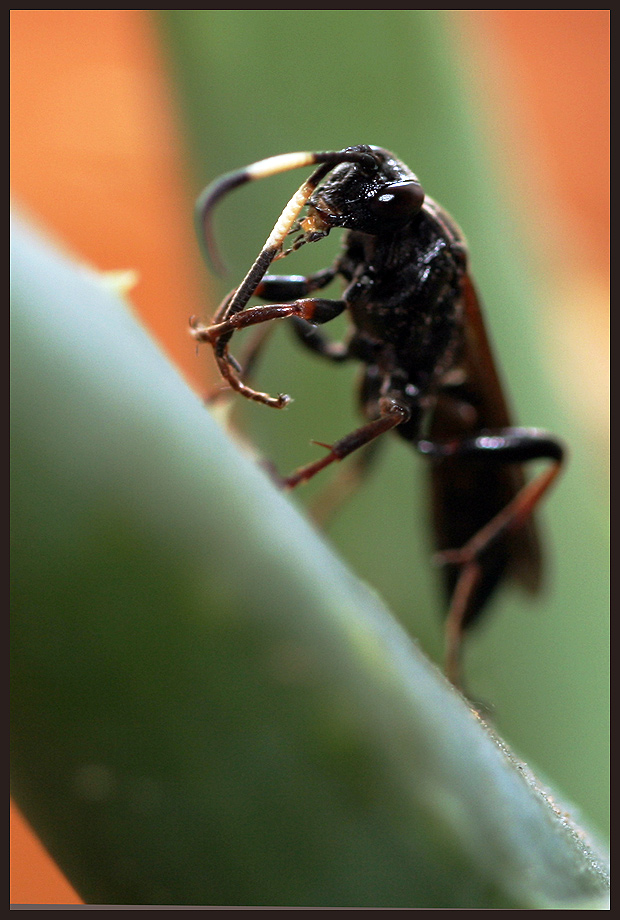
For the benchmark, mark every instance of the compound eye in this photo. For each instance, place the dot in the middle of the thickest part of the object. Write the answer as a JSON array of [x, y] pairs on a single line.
[[398, 201]]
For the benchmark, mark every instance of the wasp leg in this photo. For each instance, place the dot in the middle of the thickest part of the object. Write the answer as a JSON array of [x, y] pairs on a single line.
[[329, 501], [276, 289], [314, 310], [508, 445], [280, 288], [246, 364], [392, 413], [310, 337]]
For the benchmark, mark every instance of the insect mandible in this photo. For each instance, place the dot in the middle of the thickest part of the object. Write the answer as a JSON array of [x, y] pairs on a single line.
[[428, 372]]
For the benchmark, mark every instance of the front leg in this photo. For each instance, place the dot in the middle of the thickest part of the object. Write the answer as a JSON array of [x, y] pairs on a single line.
[[312, 310], [280, 288]]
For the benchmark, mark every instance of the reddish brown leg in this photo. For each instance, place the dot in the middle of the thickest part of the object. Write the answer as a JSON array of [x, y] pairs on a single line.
[[392, 414], [510, 518], [247, 362], [465, 588], [323, 508], [314, 310]]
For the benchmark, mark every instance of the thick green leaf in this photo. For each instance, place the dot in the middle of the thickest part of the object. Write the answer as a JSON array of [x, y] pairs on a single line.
[[207, 707]]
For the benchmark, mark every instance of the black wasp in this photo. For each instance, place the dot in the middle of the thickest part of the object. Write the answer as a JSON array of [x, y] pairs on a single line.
[[428, 371]]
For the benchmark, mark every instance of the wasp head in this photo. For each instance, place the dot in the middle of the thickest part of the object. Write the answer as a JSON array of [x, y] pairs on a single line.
[[376, 195]]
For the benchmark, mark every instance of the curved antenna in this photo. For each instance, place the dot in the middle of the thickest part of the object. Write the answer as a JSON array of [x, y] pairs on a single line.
[[262, 169]]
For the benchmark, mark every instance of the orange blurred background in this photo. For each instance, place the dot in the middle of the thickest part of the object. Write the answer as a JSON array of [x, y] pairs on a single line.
[[96, 156], [96, 174]]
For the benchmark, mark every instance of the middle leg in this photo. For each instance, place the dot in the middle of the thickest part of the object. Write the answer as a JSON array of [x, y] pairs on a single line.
[[392, 413]]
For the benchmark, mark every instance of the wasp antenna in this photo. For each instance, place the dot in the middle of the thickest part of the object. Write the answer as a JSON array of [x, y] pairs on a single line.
[[209, 197], [263, 169], [202, 216]]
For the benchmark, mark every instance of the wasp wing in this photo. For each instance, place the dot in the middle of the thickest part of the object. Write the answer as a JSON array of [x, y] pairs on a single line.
[[467, 491]]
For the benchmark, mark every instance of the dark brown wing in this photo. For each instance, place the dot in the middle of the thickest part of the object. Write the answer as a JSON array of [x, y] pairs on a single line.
[[468, 492]]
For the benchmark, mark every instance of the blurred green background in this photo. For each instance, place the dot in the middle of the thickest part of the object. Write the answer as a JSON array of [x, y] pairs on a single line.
[[252, 84]]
